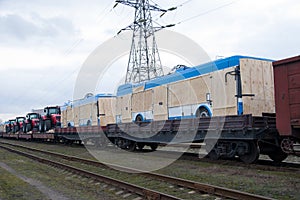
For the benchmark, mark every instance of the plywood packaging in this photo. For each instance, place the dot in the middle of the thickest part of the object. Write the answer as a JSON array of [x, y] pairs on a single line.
[[107, 110], [67, 116], [160, 102], [126, 108], [179, 93], [257, 79], [193, 91], [198, 87], [76, 115], [64, 118], [223, 92]]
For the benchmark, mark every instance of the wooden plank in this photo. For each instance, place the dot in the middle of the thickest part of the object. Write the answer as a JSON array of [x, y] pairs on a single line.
[[107, 110], [199, 88], [64, 118], [269, 87], [142, 101], [138, 102], [148, 98], [257, 79], [222, 92], [76, 116], [179, 93], [119, 105], [160, 111], [126, 108]]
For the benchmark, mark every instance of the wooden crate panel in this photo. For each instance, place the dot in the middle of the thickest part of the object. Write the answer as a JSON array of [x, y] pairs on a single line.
[[229, 110], [142, 101], [119, 105], [222, 92], [107, 110], [199, 88], [126, 107], [76, 116], [148, 100], [160, 117], [257, 79], [179, 93], [160, 101]]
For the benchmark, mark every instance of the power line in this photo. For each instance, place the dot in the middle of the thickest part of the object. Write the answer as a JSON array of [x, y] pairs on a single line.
[[206, 12]]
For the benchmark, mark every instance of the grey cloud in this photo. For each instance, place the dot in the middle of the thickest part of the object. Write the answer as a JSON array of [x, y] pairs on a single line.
[[34, 89], [277, 41], [13, 26]]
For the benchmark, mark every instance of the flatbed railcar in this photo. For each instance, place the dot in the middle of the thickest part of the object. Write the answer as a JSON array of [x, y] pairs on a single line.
[[245, 136]]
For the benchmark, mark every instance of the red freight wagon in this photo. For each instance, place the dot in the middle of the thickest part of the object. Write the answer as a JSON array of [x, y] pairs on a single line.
[[287, 96]]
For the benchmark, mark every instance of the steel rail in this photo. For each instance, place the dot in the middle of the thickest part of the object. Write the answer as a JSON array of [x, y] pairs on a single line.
[[141, 191], [201, 187]]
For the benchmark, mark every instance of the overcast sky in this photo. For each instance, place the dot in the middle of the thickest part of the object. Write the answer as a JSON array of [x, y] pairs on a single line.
[[43, 43]]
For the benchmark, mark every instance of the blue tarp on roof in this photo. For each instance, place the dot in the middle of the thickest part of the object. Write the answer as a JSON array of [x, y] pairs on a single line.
[[186, 73], [86, 100]]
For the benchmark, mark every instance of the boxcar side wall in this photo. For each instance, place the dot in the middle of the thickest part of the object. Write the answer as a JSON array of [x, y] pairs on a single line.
[[287, 96]]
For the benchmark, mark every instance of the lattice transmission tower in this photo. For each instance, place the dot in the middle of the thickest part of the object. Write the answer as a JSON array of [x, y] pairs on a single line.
[[144, 61]]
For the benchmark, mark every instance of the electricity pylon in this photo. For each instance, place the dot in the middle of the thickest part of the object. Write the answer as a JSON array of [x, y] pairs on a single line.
[[144, 61]]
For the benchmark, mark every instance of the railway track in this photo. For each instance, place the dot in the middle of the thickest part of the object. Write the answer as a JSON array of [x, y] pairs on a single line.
[[261, 164], [196, 187]]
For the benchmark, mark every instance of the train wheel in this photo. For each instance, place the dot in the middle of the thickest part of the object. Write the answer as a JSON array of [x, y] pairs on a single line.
[[131, 146], [153, 146], [213, 155], [126, 144], [140, 146], [278, 155], [287, 145], [253, 154]]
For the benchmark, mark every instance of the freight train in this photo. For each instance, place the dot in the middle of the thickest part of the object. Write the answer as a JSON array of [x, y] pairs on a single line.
[[228, 105]]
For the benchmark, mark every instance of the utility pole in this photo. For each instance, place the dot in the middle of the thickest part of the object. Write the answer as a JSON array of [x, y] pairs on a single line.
[[144, 60]]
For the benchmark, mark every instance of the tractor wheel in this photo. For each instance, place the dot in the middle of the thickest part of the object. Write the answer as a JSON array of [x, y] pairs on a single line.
[[24, 128], [28, 128], [47, 125], [17, 128], [41, 126]]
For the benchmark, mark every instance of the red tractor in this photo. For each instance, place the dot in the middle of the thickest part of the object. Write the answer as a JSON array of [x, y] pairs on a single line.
[[50, 119], [18, 124], [9, 125], [31, 122]]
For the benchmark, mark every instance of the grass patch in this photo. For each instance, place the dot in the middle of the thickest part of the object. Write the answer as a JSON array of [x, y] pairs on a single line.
[[55, 179], [12, 187]]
